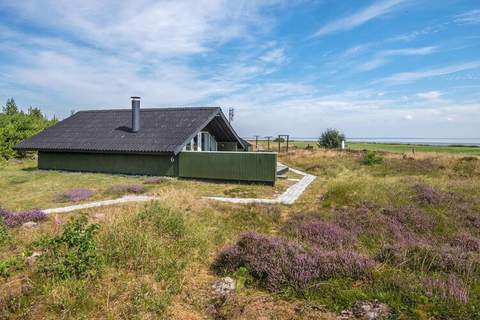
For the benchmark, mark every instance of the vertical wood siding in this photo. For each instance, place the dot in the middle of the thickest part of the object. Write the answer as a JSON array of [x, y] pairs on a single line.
[[141, 164], [239, 166]]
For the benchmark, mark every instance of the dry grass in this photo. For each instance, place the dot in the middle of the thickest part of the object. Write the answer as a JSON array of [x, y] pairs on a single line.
[[140, 280], [24, 187]]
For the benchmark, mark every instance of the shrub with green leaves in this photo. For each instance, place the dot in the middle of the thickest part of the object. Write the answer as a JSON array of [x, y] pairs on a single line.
[[371, 158], [10, 265], [331, 139], [73, 254]]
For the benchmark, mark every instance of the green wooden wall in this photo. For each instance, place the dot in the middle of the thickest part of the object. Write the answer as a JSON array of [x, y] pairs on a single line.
[[239, 166], [142, 164]]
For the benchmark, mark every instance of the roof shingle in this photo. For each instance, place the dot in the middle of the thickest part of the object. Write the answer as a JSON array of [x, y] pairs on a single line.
[[161, 130]]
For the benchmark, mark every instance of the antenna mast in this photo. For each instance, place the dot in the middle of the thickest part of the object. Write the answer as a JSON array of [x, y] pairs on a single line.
[[230, 114]]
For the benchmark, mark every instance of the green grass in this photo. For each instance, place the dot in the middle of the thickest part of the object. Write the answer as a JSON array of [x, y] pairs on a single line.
[[156, 257], [385, 147], [39, 188], [408, 148]]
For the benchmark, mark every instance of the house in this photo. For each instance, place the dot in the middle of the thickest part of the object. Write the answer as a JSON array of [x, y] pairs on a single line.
[[180, 142]]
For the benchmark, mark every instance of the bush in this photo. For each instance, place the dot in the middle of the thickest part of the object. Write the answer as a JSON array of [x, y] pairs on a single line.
[[426, 194], [466, 242], [331, 139], [75, 195], [451, 288], [319, 233], [127, 188], [278, 264], [154, 180], [11, 219], [10, 265], [371, 158], [73, 254]]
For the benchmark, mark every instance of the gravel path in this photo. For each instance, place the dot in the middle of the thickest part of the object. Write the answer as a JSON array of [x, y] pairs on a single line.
[[288, 197]]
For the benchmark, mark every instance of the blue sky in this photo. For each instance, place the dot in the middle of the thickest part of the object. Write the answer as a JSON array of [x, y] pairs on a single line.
[[388, 68]]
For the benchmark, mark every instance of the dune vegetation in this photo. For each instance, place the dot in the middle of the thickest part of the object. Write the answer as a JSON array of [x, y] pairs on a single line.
[[402, 231]]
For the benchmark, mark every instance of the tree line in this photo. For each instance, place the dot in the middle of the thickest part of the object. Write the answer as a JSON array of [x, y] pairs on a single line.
[[17, 125]]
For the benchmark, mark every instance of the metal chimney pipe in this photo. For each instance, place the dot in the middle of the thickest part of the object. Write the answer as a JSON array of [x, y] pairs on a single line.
[[135, 114]]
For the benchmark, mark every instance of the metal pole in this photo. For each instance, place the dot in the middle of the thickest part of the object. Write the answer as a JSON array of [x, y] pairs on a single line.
[[268, 143]]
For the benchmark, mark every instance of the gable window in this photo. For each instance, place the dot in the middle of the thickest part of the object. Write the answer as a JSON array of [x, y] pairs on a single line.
[[204, 141]]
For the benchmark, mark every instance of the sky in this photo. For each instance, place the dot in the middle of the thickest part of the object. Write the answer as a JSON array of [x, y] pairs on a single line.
[[387, 68]]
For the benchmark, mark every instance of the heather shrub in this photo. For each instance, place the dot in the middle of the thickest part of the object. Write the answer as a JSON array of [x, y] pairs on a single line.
[[127, 188], [11, 219], [466, 242], [410, 217], [426, 194], [153, 180], [72, 254], [371, 158], [74, 195], [319, 233], [358, 219], [277, 263], [450, 288]]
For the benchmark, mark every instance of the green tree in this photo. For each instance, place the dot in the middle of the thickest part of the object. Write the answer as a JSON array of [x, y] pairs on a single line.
[[331, 139], [16, 126], [10, 107]]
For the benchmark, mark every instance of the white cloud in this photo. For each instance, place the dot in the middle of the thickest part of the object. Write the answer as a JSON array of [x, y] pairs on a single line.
[[406, 77], [383, 57], [276, 56], [469, 17], [377, 9], [429, 95], [408, 117], [137, 28], [409, 36], [98, 54]]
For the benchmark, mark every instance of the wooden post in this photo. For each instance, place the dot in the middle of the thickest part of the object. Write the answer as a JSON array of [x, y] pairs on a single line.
[[279, 139], [256, 143], [268, 143], [288, 138]]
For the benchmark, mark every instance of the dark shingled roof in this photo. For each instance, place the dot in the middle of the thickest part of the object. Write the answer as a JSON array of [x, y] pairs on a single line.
[[161, 130]]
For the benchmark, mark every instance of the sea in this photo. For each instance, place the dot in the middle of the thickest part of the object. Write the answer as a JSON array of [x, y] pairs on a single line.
[[425, 141]]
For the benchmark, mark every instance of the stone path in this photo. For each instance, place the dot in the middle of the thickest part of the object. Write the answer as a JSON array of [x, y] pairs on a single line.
[[288, 197], [124, 199]]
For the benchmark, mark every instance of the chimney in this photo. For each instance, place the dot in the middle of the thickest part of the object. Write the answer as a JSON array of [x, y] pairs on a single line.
[[135, 114]]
